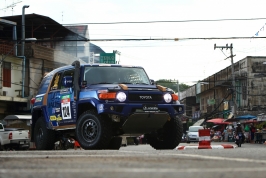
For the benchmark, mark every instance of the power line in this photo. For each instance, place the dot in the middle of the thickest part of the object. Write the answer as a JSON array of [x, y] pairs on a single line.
[[175, 21], [153, 39]]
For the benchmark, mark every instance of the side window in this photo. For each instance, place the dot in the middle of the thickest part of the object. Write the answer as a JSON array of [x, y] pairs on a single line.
[[44, 84], [55, 83], [66, 73]]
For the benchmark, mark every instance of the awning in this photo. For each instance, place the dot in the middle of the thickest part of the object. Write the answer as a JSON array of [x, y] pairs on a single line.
[[248, 116], [199, 122]]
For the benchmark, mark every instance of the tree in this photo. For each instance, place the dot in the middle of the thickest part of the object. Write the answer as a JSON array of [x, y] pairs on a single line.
[[172, 84]]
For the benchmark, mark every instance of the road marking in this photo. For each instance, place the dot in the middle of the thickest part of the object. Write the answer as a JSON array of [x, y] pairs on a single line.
[[135, 152], [129, 170]]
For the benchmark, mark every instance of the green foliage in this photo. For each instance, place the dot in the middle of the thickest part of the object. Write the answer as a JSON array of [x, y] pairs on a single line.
[[172, 84], [260, 125]]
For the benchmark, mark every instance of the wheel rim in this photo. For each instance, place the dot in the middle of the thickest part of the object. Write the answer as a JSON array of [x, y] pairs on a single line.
[[90, 130]]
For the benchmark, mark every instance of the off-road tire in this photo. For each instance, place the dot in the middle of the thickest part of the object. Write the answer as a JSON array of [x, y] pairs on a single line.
[[169, 137], [93, 131], [43, 137], [115, 143]]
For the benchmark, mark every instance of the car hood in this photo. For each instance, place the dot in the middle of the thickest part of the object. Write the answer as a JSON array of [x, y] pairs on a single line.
[[129, 86], [193, 133]]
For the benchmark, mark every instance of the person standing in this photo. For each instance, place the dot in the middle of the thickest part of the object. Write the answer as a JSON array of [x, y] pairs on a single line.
[[225, 134], [239, 134], [252, 133], [247, 133]]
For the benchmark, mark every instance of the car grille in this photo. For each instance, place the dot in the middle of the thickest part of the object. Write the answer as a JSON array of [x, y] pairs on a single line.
[[136, 97]]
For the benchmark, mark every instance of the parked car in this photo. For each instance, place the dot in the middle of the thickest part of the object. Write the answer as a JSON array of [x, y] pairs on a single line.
[[193, 134], [14, 138]]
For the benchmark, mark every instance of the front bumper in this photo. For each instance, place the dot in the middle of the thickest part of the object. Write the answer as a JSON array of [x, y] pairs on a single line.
[[126, 109], [193, 139], [138, 121]]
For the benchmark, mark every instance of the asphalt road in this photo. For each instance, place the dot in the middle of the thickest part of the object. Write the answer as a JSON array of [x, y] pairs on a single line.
[[137, 161]]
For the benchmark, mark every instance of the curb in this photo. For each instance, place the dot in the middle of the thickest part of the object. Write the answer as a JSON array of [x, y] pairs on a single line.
[[223, 146]]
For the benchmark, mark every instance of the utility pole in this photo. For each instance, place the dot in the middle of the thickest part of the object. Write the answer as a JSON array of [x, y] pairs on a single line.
[[22, 48], [177, 82], [232, 70]]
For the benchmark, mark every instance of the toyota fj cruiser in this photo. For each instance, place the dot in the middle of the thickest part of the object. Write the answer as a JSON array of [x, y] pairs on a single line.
[[97, 104]]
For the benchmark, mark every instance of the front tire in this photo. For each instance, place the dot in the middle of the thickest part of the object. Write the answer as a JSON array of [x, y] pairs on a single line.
[[169, 137], [93, 131], [43, 137]]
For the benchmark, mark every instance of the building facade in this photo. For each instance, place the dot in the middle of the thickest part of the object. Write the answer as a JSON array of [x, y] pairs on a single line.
[[56, 46], [215, 95]]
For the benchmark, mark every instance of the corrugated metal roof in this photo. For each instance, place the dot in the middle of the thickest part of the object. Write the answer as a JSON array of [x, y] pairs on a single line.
[[38, 26]]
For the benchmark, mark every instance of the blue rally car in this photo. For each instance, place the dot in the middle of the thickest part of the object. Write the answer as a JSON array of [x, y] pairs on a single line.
[[97, 104]]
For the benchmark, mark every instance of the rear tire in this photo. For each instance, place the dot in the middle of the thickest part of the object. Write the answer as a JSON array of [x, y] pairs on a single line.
[[93, 131], [43, 137], [169, 137]]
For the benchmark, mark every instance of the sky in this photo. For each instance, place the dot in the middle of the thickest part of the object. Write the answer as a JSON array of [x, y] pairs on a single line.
[[186, 60]]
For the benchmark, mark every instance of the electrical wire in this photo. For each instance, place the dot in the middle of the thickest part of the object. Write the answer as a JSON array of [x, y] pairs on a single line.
[[175, 21]]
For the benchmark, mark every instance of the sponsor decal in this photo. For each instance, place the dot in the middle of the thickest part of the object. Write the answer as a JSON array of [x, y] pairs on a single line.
[[57, 110], [54, 118], [65, 105], [150, 107], [39, 99]]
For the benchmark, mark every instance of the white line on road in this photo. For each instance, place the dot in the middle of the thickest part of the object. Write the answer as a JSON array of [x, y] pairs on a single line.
[[208, 157]]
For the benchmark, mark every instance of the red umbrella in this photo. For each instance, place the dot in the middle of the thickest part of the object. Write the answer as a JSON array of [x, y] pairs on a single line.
[[221, 123], [216, 120]]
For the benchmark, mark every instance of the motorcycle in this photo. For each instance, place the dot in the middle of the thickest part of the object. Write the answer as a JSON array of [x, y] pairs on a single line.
[[239, 139]]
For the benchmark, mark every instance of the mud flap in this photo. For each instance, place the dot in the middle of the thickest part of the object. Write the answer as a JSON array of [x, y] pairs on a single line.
[[139, 123]]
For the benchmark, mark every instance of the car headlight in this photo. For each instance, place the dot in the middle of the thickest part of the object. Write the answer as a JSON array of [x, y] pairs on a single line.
[[167, 98], [121, 96]]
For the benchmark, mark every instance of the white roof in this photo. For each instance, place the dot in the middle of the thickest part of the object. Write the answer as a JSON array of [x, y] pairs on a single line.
[[20, 117]]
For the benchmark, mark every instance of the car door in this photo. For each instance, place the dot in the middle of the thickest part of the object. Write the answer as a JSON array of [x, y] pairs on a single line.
[[61, 103]]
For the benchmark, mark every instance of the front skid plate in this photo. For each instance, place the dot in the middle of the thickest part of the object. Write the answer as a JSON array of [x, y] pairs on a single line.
[[139, 123]]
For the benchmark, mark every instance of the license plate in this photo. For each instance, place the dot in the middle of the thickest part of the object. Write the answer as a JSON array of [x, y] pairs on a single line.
[[22, 143], [150, 107]]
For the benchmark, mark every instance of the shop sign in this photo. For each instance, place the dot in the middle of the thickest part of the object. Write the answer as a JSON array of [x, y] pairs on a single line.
[[211, 101], [261, 118]]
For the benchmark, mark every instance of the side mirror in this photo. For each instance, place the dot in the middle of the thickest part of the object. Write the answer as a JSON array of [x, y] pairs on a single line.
[[152, 82], [67, 81]]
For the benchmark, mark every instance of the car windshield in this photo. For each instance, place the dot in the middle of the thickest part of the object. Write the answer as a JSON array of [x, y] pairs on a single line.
[[117, 74], [194, 129]]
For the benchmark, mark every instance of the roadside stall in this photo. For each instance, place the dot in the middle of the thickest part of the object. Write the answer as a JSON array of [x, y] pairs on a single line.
[[260, 134]]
